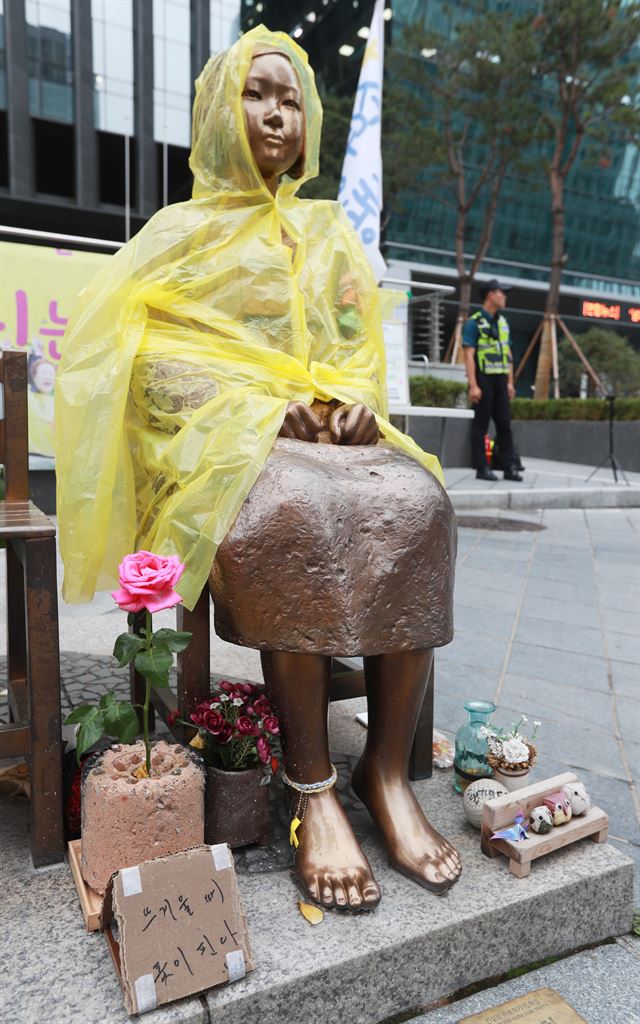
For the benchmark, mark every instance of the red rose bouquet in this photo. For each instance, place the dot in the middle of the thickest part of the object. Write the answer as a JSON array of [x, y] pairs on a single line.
[[237, 729]]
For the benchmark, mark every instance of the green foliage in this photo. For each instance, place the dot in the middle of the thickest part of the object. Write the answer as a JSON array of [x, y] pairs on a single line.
[[587, 68], [152, 654], [110, 718], [431, 391], [456, 120], [613, 358], [175, 640], [126, 647], [154, 664], [573, 409]]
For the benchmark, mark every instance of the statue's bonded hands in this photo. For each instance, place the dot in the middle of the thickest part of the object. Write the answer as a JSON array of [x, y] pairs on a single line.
[[348, 424], [353, 424], [300, 423]]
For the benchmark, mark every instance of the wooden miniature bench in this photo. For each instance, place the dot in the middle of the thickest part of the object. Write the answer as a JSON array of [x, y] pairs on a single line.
[[501, 813]]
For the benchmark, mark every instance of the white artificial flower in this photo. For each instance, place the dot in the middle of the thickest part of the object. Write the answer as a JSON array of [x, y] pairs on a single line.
[[524, 718], [514, 751], [238, 701], [537, 722], [224, 697]]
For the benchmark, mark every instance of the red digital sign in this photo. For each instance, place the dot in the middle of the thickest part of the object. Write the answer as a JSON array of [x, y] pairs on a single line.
[[600, 310], [634, 314]]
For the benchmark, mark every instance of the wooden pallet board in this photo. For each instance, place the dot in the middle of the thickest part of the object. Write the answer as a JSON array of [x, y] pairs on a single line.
[[90, 901], [501, 812]]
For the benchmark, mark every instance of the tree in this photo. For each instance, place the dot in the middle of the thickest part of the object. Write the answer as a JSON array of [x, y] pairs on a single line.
[[613, 358], [587, 71], [470, 116]]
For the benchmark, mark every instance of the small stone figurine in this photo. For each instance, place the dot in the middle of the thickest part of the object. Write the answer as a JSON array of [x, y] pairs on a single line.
[[558, 804], [541, 820], [578, 798]]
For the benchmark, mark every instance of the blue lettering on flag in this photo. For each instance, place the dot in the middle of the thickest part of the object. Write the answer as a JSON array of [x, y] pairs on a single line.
[[366, 113], [361, 204]]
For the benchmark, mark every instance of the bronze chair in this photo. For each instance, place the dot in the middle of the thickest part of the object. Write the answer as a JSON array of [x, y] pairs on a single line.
[[194, 685], [33, 656]]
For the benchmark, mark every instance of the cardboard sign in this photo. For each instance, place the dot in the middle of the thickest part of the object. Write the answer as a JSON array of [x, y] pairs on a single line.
[[175, 926], [544, 1006]]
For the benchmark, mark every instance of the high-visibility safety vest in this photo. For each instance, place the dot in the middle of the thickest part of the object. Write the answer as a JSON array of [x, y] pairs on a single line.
[[493, 354]]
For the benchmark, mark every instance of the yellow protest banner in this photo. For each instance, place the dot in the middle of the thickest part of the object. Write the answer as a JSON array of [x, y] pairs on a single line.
[[38, 290]]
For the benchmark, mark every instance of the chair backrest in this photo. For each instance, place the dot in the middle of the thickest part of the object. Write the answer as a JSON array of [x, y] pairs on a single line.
[[14, 437]]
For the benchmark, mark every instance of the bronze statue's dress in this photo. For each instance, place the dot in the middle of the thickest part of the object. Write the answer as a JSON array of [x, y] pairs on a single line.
[[340, 551]]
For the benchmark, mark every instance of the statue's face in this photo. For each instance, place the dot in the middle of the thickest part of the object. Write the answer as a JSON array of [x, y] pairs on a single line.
[[273, 109]]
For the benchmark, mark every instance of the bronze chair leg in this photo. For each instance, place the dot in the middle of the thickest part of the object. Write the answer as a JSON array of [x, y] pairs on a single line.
[[194, 664], [421, 758], [43, 684]]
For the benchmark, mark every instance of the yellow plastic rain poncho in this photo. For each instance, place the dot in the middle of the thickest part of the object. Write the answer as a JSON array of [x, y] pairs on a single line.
[[185, 350]]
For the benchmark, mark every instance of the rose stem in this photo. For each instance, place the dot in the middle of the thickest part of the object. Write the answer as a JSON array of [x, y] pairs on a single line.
[[147, 700]]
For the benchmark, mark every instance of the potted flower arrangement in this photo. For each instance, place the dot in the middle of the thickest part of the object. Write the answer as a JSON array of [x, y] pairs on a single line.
[[237, 732], [511, 754], [138, 800]]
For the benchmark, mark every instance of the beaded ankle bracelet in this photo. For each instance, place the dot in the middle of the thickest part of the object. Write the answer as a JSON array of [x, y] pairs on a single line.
[[305, 789]]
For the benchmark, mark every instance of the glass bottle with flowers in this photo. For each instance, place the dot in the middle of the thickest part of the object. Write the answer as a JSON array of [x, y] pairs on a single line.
[[237, 735]]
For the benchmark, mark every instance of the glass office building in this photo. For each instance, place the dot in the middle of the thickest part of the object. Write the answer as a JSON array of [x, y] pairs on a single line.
[[95, 108]]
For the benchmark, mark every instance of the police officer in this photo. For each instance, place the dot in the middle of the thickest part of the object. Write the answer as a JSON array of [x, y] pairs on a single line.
[[489, 366]]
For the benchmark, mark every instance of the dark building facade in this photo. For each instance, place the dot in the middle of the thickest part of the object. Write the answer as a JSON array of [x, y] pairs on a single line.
[[95, 108]]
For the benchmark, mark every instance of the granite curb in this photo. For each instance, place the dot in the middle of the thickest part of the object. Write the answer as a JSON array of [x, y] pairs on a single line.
[[609, 997], [616, 496]]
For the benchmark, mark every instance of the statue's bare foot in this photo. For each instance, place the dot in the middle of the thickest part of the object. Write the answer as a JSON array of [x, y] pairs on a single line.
[[329, 861], [414, 847]]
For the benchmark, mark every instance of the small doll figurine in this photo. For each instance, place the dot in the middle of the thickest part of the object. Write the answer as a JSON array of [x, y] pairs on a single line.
[[578, 798], [541, 820], [558, 804]]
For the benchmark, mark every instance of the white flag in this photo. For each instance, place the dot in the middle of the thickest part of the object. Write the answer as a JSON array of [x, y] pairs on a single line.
[[361, 183]]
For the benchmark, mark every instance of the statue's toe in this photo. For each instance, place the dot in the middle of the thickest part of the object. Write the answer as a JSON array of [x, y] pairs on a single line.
[[339, 895], [326, 893], [371, 894], [353, 894], [313, 887]]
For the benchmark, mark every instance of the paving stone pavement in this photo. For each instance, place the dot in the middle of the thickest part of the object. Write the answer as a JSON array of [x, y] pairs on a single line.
[[547, 624]]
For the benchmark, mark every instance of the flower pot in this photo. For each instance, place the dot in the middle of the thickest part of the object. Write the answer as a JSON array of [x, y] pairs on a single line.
[[126, 820], [512, 780], [236, 807]]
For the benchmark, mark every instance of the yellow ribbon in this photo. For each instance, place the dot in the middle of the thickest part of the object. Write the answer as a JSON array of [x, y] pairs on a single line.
[[293, 839]]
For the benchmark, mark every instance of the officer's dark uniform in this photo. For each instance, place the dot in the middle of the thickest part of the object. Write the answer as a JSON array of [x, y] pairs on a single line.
[[489, 336]]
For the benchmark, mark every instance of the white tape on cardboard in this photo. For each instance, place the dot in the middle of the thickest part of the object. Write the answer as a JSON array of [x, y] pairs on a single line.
[[235, 965], [145, 993], [221, 856], [131, 881]]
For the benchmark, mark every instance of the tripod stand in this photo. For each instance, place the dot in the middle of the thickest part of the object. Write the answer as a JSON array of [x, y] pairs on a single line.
[[610, 456]]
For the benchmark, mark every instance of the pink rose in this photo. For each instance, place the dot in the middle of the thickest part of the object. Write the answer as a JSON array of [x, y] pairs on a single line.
[[246, 727], [213, 722], [271, 724], [148, 581], [264, 750], [196, 717]]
